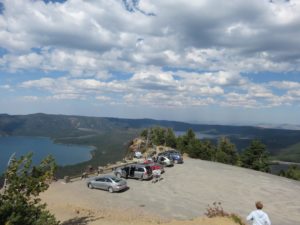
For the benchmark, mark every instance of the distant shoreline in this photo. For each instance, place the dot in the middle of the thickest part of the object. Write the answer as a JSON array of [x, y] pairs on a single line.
[[285, 162]]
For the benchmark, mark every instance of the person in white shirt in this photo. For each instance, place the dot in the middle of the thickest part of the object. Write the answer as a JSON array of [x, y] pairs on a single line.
[[156, 175], [259, 217]]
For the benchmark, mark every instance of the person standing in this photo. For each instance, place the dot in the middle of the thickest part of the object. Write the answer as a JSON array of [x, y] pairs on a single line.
[[156, 175], [258, 216]]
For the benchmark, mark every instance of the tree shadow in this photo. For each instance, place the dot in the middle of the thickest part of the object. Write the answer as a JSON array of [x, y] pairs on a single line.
[[77, 221], [84, 220]]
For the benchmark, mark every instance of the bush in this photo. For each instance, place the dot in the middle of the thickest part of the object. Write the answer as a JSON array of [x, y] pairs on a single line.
[[293, 172], [217, 211]]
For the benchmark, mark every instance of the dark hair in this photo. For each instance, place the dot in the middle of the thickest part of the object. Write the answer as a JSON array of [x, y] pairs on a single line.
[[259, 205]]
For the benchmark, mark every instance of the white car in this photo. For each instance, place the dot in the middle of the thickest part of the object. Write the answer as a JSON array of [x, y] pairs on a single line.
[[165, 161]]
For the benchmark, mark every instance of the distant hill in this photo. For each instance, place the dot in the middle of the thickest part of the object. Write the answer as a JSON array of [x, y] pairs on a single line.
[[65, 127], [53, 125], [290, 154]]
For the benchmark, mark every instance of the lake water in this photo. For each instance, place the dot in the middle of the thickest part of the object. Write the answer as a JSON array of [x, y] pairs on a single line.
[[276, 168], [198, 135], [41, 147]]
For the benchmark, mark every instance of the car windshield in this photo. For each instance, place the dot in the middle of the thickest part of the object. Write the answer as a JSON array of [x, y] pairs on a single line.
[[115, 179]]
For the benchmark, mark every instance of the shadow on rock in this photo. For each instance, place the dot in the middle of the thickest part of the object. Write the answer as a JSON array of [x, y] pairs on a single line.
[[77, 221], [84, 220]]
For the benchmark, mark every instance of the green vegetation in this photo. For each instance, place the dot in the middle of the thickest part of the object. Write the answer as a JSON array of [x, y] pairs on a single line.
[[160, 136], [59, 126], [256, 157], [19, 204], [293, 172], [226, 152], [290, 154], [110, 146], [1, 180], [110, 137], [195, 148]]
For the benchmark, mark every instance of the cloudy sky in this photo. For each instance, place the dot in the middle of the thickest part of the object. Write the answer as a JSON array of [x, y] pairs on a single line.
[[211, 61]]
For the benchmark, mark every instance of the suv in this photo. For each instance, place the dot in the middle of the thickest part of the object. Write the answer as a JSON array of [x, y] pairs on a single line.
[[173, 155], [138, 171]]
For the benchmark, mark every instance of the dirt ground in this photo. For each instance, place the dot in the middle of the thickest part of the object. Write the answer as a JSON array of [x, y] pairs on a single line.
[[182, 195], [72, 215]]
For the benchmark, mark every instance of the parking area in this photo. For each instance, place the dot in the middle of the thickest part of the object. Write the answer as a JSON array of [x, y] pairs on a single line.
[[186, 190]]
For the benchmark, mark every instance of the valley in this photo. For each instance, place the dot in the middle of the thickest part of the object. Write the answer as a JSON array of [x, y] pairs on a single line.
[[111, 137]]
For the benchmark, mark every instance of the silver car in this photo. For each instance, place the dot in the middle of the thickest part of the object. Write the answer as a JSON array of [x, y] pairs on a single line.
[[139, 171], [109, 183]]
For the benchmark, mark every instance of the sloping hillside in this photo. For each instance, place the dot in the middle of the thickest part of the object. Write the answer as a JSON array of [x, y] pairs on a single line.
[[290, 154]]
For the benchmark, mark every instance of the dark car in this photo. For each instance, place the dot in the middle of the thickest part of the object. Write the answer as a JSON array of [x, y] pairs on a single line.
[[173, 155], [139, 171]]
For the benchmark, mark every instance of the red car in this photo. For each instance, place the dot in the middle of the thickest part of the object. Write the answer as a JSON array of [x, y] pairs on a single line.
[[155, 166]]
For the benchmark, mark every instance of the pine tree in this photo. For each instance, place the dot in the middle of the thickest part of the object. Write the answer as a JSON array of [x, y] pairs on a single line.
[[256, 157], [170, 138], [19, 204], [184, 140], [226, 152]]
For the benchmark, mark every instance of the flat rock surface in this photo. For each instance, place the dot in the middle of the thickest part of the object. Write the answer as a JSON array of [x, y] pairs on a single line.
[[184, 193]]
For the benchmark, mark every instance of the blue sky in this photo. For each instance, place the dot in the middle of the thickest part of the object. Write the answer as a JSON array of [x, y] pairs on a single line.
[[172, 59]]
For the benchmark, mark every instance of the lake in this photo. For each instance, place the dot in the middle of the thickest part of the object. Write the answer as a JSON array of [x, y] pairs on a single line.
[[199, 135], [41, 147], [276, 168]]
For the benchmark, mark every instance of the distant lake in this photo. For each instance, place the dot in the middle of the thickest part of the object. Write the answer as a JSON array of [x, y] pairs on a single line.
[[41, 147], [198, 135]]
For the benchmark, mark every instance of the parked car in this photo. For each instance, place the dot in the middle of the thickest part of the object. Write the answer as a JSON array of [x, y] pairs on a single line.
[[138, 171], [109, 183], [137, 155], [176, 157], [170, 151], [155, 166], [173, 155], [164, 160]]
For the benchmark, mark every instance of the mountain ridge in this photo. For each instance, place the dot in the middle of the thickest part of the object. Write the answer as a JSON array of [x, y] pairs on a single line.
[[58, 126]]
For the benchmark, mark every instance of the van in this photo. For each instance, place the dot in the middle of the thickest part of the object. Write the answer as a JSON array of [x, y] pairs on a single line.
[[137, 171]]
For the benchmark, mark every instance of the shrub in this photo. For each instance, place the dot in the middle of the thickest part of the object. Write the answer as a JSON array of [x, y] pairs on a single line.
[[217, 211]]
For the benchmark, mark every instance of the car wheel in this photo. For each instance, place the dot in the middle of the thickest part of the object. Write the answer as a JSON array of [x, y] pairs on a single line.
[[110, 190], [90, 186], [141, 178], [118, 175]]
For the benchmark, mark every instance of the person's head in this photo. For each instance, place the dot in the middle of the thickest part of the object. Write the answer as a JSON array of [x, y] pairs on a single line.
[[259, 205]]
